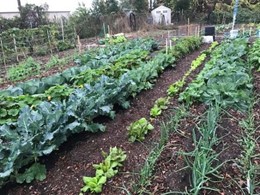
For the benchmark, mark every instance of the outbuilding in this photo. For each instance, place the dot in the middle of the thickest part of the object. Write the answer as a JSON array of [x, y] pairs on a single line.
[[162, 15]]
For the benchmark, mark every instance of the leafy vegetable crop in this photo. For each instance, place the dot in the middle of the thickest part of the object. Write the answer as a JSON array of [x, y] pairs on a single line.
[[105, 170], [138, 129], [45, 120], [160, 104], [225, 78]]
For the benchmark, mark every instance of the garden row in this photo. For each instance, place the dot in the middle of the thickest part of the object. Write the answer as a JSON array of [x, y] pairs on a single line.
[[224, 83], [60, 86], [51, 109]]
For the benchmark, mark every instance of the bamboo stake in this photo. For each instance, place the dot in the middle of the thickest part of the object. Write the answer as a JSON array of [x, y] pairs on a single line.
[[15, 48], [108, 29], [79, 44], [49, 41], [166, 46], [2, 47], [170, 44], [104, 27], [62, 29], [188, 26]]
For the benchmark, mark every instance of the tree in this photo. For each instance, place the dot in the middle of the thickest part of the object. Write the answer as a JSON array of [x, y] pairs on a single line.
[[99, 7], [82, 19], [112, 6], [19, 4], [32, 16], [141, 5]]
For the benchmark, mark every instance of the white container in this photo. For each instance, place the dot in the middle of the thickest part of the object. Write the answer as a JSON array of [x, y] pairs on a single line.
[[208, 39], [233, 34]]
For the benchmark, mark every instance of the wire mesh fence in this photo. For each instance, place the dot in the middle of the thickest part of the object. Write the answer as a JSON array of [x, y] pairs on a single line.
[[16, 44]]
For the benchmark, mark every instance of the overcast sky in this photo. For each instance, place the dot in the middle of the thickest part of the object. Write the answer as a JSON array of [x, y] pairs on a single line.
[[54, 5]]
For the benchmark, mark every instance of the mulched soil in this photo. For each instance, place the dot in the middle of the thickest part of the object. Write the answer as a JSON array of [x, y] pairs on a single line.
[[170, 175], [74, 159]]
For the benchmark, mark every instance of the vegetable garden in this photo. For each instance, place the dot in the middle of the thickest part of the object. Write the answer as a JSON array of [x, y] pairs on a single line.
[[130, 118]]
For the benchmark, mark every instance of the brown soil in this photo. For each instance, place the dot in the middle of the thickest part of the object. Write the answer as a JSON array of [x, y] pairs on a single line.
[[74, 159], [170, 175]]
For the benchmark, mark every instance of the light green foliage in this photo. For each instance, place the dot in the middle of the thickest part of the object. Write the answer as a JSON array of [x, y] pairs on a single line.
[[175, 87], [105, 170], [160, 104], [138, 129], [113, 40], [146, 173], [248, 159], [58, 92], [254, 55], [54, 61], [203, 159], [94, 184], [23, 70], [155, 111], [11, 106]]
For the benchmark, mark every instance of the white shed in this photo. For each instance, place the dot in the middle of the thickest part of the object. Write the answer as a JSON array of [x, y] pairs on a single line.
[[162, 15]]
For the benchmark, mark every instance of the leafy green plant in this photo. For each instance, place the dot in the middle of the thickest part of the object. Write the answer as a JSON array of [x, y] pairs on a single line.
[[58, 92], [54, 61], [93, 184], [160, 104], [138, 129], [224, 79], [155, 111], [175, 87], [105, 170], [112, 40], [42, 126], [23, 70], [36, 171], [254, 54]]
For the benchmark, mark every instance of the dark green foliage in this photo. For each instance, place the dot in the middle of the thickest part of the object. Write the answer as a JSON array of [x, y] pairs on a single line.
[[33, 15], [41, 126]]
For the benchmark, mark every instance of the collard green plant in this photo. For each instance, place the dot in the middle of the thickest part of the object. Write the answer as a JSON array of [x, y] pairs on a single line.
[[41, 126]]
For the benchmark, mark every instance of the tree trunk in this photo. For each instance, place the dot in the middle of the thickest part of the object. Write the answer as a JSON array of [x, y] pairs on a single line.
[[19, 4]]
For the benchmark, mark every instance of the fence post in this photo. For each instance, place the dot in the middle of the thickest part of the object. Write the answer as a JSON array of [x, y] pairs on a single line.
[[49, 41], [166, 46], [79, 44], [15, 48], [188, 26], [2, 47]]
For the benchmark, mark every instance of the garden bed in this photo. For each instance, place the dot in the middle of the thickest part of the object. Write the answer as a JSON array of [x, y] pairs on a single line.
[[74, 159]]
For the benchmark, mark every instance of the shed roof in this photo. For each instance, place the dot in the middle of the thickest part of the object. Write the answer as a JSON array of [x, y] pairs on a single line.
[[162, 7]]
